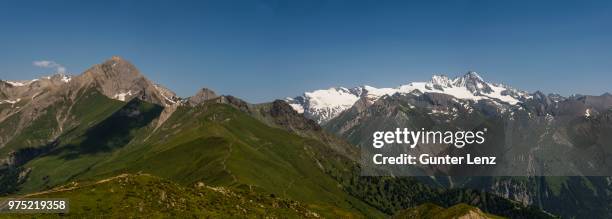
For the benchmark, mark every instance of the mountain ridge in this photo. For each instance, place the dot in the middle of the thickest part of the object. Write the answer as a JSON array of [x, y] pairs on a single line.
[[532, 134], [324, 105]]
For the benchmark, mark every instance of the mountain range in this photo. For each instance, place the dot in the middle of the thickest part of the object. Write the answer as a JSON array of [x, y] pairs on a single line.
[[112, 129], [551, 147], [324, 105]]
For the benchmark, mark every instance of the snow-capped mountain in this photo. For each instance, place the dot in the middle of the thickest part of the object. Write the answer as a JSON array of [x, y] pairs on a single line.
[[324, 105]]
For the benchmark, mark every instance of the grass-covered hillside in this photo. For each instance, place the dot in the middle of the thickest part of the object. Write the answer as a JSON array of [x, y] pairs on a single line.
[[429, 210], [212, 143], [147, 196]]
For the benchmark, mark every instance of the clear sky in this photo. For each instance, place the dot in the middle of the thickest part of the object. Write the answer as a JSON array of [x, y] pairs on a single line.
[[263, 50]]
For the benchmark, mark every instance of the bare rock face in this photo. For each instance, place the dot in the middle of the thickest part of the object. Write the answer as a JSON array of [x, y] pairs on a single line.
[[16, 94], [11, 90], [286, 116], [168, 94], [25, 101], [116, 78], [201, 96], [119, 79]]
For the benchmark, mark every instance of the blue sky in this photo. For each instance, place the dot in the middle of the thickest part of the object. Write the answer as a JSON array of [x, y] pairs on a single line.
[[262, 50]]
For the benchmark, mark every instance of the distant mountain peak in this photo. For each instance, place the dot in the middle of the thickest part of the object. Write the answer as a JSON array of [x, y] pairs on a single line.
[[119, 79], [117, 58], [441, 80], [324, 105], [202, 95], [473, 82], [45, 81], [469, 76], [473, 74]]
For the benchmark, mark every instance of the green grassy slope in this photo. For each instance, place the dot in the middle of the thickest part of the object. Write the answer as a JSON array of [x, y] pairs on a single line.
[[147, 196], [213, 143], [429, 210], [77, 117], [87, 145], [221, 145], [89, 108]]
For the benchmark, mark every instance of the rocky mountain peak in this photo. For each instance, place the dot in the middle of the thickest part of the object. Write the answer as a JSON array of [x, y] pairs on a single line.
[[202, 95], [474, 83], [119, 79], [539, 95], [119, 65], [113, 69], [117, 58], [473, 74], [556, 97], [285, 116], [441, 80]]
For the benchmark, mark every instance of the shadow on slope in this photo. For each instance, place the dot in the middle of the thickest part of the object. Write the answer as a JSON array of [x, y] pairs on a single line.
[[114, 132]]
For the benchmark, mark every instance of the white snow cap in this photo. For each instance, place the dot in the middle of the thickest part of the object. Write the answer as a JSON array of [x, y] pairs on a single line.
[[327, 104]]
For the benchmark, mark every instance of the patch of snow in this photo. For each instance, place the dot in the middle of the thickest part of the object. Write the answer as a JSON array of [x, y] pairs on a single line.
[[331, 97], [168, 99], [327, 104], [587, 113], [15, 83], [10, 101], [66, 79], [161, 92], [497, 94], [20, 83], [323, 105], [122, 96], [375, 93], [439, 111], [441, 80], [36, 94], [549, 118], [297, 107]]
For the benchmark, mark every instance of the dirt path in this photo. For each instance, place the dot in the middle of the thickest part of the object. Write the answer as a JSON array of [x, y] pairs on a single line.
[[63, 189], [224, 163]]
